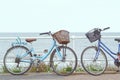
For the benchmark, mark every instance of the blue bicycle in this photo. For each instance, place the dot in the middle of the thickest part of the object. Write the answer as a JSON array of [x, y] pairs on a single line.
[[93, 58], [63, 60]]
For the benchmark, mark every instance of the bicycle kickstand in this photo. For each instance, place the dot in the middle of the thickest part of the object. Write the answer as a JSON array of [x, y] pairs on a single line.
[[37, 67], [118, 69], [36, 64]]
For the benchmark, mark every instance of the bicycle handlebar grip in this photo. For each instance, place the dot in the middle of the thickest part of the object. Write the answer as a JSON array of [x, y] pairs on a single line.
[[106, 28], [45, 33]]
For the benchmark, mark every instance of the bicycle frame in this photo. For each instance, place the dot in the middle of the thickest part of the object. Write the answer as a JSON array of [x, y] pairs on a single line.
[[41, 58], [44, 56], [102, 46]]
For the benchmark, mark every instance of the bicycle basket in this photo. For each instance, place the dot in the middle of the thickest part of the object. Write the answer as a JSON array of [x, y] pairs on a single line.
[[93, 35], [62, 36]]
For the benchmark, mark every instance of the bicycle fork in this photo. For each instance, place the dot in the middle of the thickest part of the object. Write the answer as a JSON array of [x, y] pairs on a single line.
[[97, 54], [62, 54]]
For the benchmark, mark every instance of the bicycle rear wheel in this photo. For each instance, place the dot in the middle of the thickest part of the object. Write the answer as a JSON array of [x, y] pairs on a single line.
[[91, 63], [14, 63], [67, 65]]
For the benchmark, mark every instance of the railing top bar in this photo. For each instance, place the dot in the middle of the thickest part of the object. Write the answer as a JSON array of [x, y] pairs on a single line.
[[72, 37]]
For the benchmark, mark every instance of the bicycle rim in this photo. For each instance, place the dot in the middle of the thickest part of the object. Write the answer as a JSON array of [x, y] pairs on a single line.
[[13, 63], [92, 65], [67, 65]]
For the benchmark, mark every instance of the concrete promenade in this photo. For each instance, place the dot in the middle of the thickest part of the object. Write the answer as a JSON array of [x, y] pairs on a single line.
[[52, 76]]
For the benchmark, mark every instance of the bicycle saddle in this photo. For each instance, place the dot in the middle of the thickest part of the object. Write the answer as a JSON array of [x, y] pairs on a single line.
[[117, 39], [30, 40]]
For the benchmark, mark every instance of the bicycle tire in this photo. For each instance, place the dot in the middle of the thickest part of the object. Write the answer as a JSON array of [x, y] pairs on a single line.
[[90, 64], [64, 67], [12, 62]]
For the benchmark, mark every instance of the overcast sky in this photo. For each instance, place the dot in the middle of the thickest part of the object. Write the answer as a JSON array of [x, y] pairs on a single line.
[[53, 15]]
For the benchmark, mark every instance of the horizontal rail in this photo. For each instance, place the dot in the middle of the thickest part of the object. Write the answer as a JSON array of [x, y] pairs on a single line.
[[46, 37]]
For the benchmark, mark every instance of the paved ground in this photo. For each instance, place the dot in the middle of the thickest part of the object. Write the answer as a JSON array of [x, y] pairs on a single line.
[[52, 76]]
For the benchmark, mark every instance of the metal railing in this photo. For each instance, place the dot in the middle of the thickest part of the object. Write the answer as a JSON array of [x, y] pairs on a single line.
[[78, 43]]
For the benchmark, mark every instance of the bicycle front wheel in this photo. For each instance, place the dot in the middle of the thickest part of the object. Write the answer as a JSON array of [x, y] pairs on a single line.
[[63, 62], [14, 62], [94, 63]]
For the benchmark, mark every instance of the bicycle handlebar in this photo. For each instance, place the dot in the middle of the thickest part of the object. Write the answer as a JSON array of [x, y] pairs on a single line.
[[103, 29], [49, 33]]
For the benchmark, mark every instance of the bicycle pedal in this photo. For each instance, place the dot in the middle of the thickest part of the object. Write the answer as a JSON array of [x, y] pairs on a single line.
[[118, 71]]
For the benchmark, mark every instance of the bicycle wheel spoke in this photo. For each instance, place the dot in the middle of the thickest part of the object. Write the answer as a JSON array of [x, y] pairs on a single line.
[[67, 65], [13, 61], [91, 64]]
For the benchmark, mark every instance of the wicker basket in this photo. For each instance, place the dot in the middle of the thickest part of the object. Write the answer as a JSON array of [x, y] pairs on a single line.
[[62, 37], [93, 35]]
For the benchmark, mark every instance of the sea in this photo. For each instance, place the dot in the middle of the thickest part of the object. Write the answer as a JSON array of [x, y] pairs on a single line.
[[78, 42]]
